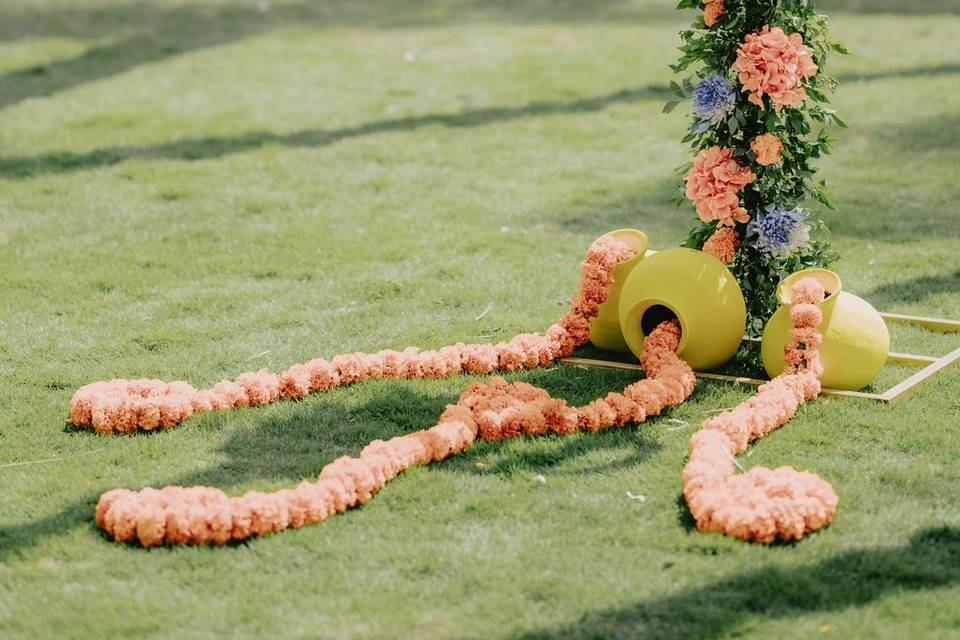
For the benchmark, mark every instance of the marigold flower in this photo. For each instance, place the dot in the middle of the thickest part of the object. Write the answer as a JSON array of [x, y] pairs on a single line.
[[767, 148], [723, 244], [712, 10]]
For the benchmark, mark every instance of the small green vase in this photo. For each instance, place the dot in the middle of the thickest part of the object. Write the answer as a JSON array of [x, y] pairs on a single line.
[[856, 342], [605, 329]]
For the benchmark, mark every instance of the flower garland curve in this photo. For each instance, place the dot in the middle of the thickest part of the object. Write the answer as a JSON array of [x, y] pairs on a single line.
[[760, 505], [763, 504], [124, 406], [491, 411]]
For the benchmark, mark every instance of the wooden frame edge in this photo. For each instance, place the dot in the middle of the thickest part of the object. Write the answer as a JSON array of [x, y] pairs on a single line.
[[932, 365], [628, 366]]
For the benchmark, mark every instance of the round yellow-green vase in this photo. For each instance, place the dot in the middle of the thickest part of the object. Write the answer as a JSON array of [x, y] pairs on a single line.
[[605, 329], [699, 291], [855, 337]]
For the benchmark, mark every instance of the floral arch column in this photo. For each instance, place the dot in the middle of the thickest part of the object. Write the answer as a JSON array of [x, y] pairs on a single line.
[[759, 97]]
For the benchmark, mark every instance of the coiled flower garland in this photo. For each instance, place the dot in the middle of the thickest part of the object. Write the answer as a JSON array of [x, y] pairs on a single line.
[[761, 504], [491, 411]]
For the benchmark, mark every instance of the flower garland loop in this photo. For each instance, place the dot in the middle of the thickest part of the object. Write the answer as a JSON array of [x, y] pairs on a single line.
[[763, 505], [491, 411], [760, 505]]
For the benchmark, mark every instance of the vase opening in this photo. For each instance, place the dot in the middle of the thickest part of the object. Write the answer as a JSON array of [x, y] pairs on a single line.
[[636, 240], [654, 316], [829, 280]]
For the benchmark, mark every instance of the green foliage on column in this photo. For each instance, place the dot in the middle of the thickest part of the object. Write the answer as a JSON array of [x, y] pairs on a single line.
[[783, 197]]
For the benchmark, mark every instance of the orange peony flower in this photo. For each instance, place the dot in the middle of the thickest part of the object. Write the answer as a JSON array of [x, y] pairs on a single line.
[[723, 244], [774, 64], [713, 184], [767, 148], [712, 11]]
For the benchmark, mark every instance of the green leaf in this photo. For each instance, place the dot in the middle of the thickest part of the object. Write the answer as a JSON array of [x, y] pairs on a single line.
[[839, 48], [670, 106]]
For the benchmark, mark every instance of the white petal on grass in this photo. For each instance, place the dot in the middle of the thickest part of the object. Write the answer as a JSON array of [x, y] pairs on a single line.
[[486, 310]]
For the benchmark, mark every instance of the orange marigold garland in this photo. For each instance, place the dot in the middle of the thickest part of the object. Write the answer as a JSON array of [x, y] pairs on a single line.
[[124, 406], [491, 411], [762, 504]]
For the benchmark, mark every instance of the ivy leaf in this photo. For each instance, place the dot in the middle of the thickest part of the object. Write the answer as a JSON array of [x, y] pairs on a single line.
[[839, 48]]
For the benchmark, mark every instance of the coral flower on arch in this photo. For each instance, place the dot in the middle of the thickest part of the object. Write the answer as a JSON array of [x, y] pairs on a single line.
[[713, 184], [712, 10], [723, 244], [768, 148], [775, 64]]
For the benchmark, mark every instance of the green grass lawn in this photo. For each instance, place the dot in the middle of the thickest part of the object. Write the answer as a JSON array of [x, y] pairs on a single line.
[[193, 189]]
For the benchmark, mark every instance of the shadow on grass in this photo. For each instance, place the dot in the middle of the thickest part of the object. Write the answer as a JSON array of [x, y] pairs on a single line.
[[912, 72], [915, 290], [208, 148], [145, 33], [913, 204], [297, 446], [923, 135], [217, 147], [900, 7], [853, 578], [915, 144]]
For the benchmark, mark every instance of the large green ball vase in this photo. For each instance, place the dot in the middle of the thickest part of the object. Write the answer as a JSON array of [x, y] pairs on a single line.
[[605, 329], [855, 337], [699, 291]]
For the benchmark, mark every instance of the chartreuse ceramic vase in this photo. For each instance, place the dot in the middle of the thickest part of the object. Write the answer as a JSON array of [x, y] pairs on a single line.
[[855, 337], [693, 287], [605, 329]]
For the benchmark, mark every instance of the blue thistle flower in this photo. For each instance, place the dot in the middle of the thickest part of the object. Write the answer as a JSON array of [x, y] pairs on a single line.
[[713, 98], [780, 232]]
